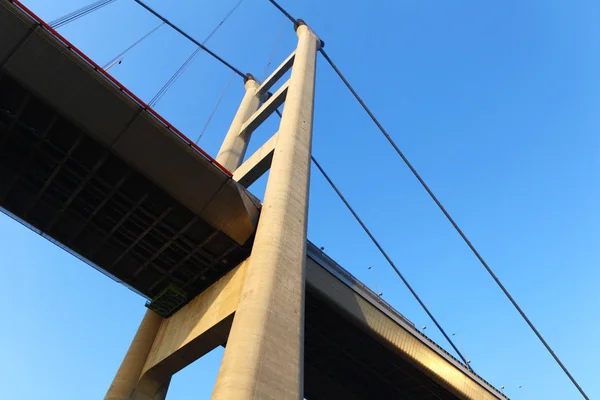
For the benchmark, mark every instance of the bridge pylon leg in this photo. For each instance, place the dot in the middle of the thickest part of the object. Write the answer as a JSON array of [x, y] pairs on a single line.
[[129, 372], [264, 355], [234, 146]]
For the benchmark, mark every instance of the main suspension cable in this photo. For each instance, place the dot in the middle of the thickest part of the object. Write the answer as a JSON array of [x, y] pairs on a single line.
[[454, 224], [287, 14], [74, 15], [163, 90], [197, 43], [387, 257], [389, 260], [442, 209]]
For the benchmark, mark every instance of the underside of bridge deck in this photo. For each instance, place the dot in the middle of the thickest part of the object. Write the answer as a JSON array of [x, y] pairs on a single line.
[[343, 362], [87, 164], [65, 185]]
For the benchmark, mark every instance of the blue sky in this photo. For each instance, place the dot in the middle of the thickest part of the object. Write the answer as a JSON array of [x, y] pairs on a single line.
[[495, 103]]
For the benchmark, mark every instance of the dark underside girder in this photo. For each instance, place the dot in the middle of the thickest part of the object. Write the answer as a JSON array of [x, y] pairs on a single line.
[[63, 183], [344, 362]]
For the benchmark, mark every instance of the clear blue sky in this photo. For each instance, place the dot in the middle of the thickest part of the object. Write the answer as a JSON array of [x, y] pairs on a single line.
[[496, 104]]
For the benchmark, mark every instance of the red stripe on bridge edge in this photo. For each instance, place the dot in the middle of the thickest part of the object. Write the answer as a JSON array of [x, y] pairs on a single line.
[[120, 86]]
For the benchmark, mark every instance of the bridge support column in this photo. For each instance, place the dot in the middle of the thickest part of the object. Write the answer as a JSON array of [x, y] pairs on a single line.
[[264, 355], [234, 146], [131, 368]]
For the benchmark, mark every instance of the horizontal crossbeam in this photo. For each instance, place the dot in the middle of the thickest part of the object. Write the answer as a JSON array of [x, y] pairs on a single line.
[[265, 110], [258, 163], [277, 74]]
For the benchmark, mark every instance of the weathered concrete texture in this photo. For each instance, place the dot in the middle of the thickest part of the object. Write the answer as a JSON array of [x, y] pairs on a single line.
[[191, 332], [131, 368], [264, 354], [234, 146], [394, 336]]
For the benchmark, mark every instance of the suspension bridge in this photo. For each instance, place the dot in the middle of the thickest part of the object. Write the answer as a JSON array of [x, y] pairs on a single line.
[[181, 229]]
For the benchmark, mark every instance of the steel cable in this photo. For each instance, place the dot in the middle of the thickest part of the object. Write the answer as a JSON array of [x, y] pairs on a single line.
[[389, 260], [387, 257], [212, 114], [455, 225], [197, 43], [163, 90], [74, 15], [442, 209]]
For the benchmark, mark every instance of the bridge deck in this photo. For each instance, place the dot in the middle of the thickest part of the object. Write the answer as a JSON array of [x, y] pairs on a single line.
[[89, 165]]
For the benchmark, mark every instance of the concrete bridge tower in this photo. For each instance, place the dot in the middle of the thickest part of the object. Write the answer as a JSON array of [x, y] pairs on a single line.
[[264, 330]]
